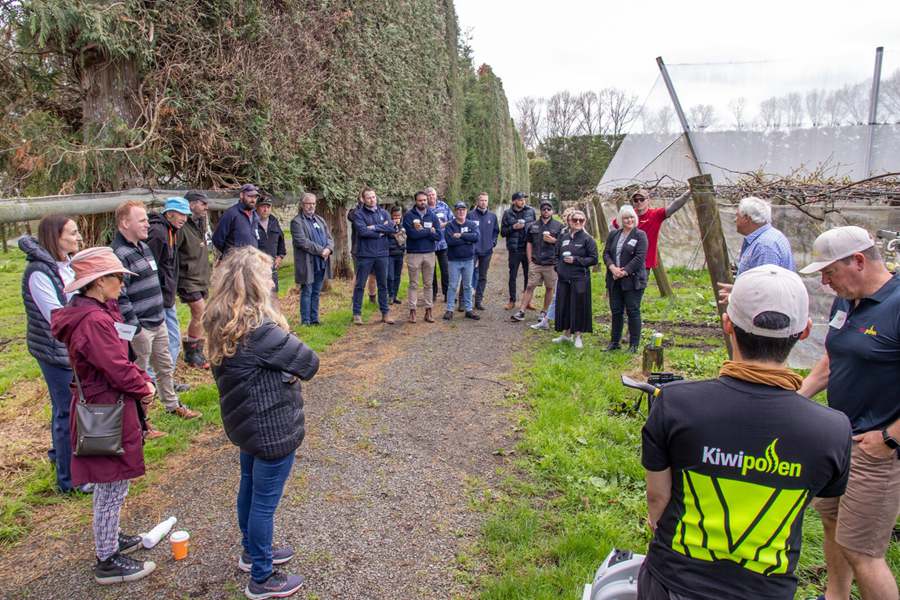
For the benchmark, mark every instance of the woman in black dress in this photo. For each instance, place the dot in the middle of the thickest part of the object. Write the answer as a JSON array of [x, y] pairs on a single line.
[[576, 253], [626, 278]]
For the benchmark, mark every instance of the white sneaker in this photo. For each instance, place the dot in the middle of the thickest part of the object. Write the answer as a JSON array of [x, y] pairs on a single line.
[[542, 324], [561, 339], [578, 343]]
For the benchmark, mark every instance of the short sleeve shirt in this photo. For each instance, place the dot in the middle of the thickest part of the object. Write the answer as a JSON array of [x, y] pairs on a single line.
[[746, 459], [650, 223], [863, 345]]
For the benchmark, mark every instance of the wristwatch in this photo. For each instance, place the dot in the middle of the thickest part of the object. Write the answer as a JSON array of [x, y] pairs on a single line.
[[888, 440]]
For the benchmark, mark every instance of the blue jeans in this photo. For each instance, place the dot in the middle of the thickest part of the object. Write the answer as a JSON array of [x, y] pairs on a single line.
[[551, 311], [174, 334], [395, 271], [364, 266], [262, 483], [309, 298], [460, 270], [58, 380]]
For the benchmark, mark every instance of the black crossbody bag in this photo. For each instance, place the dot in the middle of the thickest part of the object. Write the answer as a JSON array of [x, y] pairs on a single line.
[[98, 426]]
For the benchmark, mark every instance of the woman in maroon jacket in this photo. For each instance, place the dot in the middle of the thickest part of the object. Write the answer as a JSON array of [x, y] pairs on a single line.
[[96, 337]]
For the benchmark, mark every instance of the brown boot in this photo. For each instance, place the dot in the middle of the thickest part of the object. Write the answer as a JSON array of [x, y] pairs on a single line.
[[428, 317], [510, 305], [152, 432], [386, 319], [412, 315], [185, 413]]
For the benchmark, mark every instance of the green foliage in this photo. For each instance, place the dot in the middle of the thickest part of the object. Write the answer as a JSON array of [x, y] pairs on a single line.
[[574, 165]]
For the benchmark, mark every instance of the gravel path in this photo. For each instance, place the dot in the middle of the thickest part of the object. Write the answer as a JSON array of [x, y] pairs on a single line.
[[403, 425]]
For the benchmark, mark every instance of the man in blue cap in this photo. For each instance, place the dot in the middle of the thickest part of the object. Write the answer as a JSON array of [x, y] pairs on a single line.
[[239, 225]]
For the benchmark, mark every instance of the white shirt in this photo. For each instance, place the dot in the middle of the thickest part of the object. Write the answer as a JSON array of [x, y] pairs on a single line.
[[44, 292]]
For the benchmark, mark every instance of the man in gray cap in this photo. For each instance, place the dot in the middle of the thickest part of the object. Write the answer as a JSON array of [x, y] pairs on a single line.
[[239, 225], [861, 370]]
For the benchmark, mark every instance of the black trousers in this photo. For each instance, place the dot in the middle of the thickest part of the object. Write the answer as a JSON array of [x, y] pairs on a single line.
[[650, 588], [482, 264], [444, 265], [516, 259], [621, 302]]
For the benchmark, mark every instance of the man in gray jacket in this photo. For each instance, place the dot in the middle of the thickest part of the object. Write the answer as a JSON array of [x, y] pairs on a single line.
[[313, 246]]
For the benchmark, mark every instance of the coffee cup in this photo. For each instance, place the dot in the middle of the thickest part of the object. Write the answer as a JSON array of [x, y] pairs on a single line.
[[179, 541], [566, 254], [521, 221]]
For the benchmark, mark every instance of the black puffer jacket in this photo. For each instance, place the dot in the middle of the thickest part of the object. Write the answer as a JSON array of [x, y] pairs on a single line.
[[259, 394]]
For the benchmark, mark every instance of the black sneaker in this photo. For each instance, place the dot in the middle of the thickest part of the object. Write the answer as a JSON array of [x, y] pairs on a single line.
[[517, 316], [612, 347], [472, 315], [448, 315], [633, 349], [129, 543], [119, 568], [278, 585], [397, 301], [181, 388], [279, 557]]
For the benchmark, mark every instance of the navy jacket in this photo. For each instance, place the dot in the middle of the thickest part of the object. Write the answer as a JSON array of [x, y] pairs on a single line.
[[236, 229], [162, 241], [515, 238], [372, 230], [488, 230], [463, 247], [271, 239], [395, 248], [421, 241]]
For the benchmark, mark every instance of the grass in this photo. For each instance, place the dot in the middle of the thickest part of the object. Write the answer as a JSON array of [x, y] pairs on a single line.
[[577, 489]]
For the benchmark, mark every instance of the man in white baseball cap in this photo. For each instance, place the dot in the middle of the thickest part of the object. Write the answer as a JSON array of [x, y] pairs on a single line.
[[732, 462], [861, 370]]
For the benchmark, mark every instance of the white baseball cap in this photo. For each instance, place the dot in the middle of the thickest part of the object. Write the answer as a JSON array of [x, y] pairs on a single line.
[[769, 288], [836, 244]]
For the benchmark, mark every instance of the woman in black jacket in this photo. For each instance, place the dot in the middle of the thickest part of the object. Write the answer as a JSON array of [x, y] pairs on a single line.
[[257, 364], [576, 253], [626, 277]]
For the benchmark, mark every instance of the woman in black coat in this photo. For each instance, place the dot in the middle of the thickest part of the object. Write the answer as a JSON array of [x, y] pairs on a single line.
[[626, 277], [576, 253], [258, 364]]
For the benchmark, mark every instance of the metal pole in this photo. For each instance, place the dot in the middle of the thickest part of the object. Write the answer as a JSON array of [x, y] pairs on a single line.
[[873, 108], [680, 112]]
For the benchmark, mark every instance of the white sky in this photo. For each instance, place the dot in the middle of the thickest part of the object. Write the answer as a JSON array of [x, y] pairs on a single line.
[[538, 47]]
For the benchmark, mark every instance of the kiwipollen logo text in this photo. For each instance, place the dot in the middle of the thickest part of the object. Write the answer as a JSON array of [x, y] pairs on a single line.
[[767, 463]]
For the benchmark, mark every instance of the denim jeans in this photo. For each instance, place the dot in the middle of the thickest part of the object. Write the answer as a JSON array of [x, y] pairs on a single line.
[[174, 334], [620, 302], [309, 298], [364, 266], [58, 380], [262, 483], [460, 270], [395, 271], [551, 310]]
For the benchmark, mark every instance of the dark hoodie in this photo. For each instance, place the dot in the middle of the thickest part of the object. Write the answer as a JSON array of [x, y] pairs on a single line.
[[100, 359], [162, 241]]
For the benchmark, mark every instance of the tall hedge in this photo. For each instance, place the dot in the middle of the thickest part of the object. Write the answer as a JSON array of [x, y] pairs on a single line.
[[314, 94]]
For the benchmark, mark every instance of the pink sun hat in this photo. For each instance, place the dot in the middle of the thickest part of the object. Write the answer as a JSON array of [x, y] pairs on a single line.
[[94, 263]]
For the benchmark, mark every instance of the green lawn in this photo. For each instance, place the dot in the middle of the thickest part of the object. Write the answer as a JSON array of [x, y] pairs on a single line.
[[577, 489]]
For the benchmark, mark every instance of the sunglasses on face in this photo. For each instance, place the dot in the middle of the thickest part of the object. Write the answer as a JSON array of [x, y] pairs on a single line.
[[577, 220], [118, 276]]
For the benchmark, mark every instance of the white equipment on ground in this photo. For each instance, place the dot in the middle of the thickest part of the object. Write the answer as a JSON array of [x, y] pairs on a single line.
[[152, 537], [617, 577]]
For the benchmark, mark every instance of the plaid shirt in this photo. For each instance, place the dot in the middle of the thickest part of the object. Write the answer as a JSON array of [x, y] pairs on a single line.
[[141, 301], [765, 246]]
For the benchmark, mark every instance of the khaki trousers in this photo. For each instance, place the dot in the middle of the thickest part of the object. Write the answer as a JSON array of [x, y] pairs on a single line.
[[420, 263], [151, 348]]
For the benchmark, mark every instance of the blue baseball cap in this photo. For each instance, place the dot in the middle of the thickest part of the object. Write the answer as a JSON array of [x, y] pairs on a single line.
[[178, 205]]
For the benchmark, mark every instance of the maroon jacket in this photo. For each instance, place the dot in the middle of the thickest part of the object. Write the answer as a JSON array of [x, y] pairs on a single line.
[[100, 357]]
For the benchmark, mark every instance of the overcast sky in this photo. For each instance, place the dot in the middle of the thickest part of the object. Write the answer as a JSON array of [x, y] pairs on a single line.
[[538, 47]]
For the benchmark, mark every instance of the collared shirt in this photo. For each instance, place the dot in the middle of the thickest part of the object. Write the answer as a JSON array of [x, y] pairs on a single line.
[[863, 345], [765, 246], [443, 213]]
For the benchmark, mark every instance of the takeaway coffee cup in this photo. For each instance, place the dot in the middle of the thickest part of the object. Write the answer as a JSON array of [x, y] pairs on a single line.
[[179, 541], [521, 221], [416, 223], [566, 254]]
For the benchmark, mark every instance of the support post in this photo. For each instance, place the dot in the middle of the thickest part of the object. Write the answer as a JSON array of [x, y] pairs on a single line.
[[714, 247], [873, 108], [680, 112]]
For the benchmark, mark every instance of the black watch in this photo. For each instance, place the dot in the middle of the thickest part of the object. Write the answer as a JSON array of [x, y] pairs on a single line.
[[888, 440]]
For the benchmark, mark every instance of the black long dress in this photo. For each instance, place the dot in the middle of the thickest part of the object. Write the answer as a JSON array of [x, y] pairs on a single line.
[[573, 295]]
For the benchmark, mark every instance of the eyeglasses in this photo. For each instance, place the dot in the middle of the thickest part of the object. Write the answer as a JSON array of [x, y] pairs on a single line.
[[546, 208], [639, 199]]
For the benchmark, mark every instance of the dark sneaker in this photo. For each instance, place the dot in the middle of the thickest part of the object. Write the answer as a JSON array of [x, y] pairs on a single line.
[[633, 349], [518, 316], [472, 315], [479, 305], [279, 557], [448, 315], [396, 301], [181, 388], [119, 568], [278, 585], [129, 543]]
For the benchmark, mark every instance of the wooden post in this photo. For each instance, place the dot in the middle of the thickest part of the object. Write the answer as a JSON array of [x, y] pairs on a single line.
[[602, 225], [652, 359], [714, 247]]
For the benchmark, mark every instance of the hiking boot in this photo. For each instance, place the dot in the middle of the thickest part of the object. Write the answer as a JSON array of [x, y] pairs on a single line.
[[181, 388], [428, 317], [185, 413], [386, 319], [129, 543], [119, 568], [448, 315], [578, 343], [278, 585], [279, 557], [518, 316], [472, 315], [152, 432], [561, 339], [542, 324], [357, 320], [193, 354], [412, 315], [510, 305], [479, 305]]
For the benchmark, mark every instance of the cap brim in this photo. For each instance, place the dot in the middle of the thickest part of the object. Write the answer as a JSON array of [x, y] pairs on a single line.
[[815, 267], [178, 210], [77, 284]]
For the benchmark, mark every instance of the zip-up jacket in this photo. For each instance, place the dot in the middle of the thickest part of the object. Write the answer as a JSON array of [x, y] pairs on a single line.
[[162, 241], [372, 230], [543, 253], [488, 230], [38, 339], [141, 300], [463, 247], [236, 228], [582, 248], [421, 241], [515, 238], [193, 257], [271, 239]]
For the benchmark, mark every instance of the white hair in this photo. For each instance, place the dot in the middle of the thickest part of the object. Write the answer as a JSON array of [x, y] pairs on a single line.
[[758, 210], [626, 211]]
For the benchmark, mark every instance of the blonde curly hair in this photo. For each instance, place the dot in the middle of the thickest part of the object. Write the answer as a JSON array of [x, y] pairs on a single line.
[[240, 300]]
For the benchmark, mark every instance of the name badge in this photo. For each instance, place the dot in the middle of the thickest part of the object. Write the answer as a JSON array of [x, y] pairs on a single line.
[[464, 230], [632, 243], [838, 320], [427, 224], [316, 225], [152, 263], [126, 331], [566, 243], [440, 215]]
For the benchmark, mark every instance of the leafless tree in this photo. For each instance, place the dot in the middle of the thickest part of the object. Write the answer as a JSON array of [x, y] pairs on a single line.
[[833, 109], [855, 103], [562, 114], [702, 116], [815, 106], [659, 121], [793, 109], [737, 106], [529, 120], [889, 101], [770, 113], [621, 107], [590, 112]]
